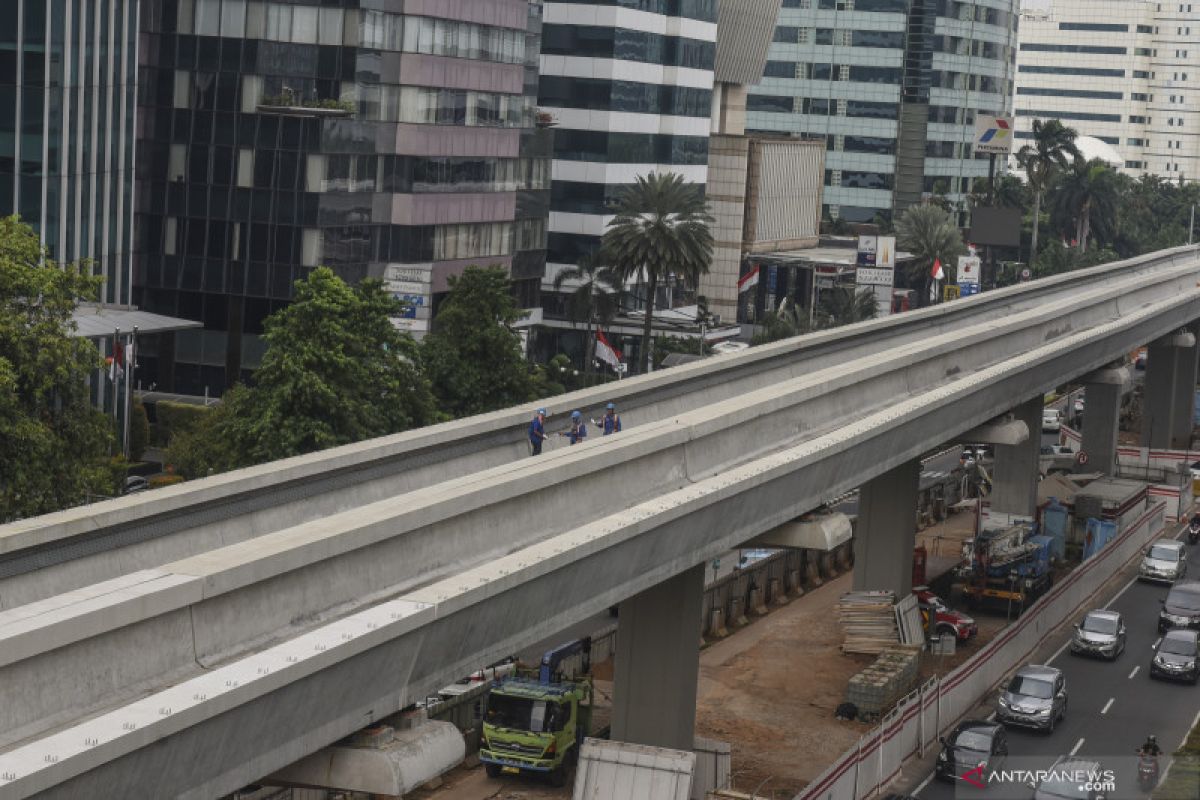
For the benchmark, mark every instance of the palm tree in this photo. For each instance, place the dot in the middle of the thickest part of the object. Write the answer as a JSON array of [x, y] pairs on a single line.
[[661, 228], [844, 306], [1053, 144], [929, 233], [1086, 196], [596, 298]]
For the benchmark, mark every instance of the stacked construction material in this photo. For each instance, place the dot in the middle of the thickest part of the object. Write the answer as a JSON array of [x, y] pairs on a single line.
[[878, 687], [868, 621], [908, 620]]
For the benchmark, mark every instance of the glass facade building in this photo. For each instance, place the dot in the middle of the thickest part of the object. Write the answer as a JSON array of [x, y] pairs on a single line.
[[378, 138], [893, 87], [68, 72], [629, 84]]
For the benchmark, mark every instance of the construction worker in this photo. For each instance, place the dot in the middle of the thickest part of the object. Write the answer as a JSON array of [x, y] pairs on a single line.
[[612, 423], [578, 430], [537, 432]]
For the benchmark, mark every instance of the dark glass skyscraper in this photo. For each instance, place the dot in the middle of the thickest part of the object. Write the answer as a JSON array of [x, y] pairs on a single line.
[[379, 138], [67, 99]]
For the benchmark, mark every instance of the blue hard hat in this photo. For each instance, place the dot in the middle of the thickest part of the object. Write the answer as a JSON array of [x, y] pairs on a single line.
[[542, 411], [575, 415], [611, 406]]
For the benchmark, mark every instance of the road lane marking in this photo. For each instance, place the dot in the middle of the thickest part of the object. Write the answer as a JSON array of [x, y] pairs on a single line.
[[1078, 745], [924, 783], [1135, 672], [1156, 641], [1107, 705]]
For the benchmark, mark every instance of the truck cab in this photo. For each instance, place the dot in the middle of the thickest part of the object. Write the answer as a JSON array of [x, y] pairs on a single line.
[[535, 727], [942, 619]]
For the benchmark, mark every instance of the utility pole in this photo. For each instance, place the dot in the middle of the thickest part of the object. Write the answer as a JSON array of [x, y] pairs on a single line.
[[130, 360], [1192, 223]]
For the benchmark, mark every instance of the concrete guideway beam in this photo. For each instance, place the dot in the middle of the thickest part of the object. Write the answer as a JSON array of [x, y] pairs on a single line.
[[886, 531], [1018, 461], [211, 734], [1102, 392], [1167, 405], [657, 663], [69, 550], [204, 610]]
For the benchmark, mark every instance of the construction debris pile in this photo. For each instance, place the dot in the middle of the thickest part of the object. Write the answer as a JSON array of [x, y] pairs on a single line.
[[878, 687]]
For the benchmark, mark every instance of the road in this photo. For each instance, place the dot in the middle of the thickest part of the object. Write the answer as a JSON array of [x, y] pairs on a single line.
[[1112, 706]]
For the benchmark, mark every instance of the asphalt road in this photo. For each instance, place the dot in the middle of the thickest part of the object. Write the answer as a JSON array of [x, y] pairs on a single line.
[[1111, 706]]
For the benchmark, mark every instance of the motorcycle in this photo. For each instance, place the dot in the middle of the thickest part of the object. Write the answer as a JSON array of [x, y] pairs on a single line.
[[1147, 770], [1193, 532]]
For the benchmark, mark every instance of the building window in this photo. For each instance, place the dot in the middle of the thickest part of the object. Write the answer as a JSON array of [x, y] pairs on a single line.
[[1093, 26]]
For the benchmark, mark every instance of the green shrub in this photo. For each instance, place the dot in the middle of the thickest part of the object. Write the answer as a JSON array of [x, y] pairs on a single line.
[[139, 432], [178, 418], [159, 481]]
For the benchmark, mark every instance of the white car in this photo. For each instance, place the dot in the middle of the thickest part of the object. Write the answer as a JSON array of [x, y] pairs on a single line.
[[1051, 420]]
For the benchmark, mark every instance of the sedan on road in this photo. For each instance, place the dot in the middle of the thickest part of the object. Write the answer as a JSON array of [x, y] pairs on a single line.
[[973, 744], [1102, 633], [1068, 780], [1181, 609], [1051, 420], [1035, 697], [1165, 561], [1176, 657]]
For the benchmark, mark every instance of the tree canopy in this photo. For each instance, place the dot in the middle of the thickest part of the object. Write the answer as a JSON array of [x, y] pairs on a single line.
[[54, 445], [929, 233], [1052, 149], [473, 356]]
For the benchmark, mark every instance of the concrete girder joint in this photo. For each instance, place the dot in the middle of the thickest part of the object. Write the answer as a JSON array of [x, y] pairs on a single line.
[[1180, 338], [1118, 376], [1003, 430]]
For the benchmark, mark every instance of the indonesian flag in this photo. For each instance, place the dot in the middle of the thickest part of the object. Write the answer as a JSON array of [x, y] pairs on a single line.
[[938, 273], [605, 351], [116, 362], [749, 280]]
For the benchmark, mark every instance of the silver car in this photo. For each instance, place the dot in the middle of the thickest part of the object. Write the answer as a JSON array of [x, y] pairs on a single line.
[[1035, 697], [1102, 633], [1164, 562]]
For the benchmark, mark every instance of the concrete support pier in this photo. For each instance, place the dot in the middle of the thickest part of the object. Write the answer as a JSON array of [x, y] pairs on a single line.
[[657, 663], [1170, 384], [886, 531], [1102, 412], [1015, 474]]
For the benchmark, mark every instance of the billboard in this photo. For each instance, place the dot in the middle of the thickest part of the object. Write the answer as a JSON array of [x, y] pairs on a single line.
[[1000, 227], [993, 135], [969, 268]]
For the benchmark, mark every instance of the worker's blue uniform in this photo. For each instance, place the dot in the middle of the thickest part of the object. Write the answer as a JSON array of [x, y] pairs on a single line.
[[537, 432], [577, 433], [612, 424]]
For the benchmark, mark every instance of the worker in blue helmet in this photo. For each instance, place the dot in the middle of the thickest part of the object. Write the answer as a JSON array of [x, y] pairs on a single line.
[[537, 432], [578, 430], [612, 422]]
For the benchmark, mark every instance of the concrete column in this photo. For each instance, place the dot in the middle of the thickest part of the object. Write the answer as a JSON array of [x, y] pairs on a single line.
[[657, 663], [1015, 474], [1167, 384], [886, 531], [1101, 414], [1185, 391]]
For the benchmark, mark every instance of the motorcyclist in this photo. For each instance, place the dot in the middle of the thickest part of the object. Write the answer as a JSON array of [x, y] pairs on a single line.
[[1150, 747]]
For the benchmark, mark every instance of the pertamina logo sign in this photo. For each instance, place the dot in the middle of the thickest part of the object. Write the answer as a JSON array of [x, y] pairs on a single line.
[[993, 134]]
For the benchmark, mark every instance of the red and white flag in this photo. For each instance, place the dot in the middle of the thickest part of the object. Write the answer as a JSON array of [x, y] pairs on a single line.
[[605, 351], [938, 273], [116, 362], [749, 280]]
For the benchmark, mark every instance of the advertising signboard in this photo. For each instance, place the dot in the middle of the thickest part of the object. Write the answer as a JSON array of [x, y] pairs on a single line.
[[993, 135], [968, 270]]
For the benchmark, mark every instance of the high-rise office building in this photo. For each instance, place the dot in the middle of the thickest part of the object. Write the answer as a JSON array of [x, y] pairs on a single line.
[[67, 98], [629, 84], [893, 87], [379, 138], [1123, 71]]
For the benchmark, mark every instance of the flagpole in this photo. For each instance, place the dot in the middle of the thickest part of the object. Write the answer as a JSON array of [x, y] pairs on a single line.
[[112, 373], [130, 360]]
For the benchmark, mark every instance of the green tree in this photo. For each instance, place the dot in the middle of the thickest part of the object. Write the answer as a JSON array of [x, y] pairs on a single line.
[[1052, 148], [783, 323], [661, 228], [595, 299], [335, 371], [1010, 192], [54, 445], [844, 306], [929, 233], [473, 355], [1085, 198]]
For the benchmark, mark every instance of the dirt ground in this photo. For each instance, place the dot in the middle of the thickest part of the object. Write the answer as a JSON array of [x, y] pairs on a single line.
[[769, 689]]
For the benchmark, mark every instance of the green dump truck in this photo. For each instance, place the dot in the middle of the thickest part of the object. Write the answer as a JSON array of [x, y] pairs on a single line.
[[533, 726]]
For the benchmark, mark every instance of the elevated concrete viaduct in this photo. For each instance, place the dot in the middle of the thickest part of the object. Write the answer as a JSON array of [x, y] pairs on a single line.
[[80, 547], [252, 655]]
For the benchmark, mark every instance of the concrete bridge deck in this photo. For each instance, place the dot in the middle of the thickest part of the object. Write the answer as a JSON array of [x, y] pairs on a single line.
[[255, 653]]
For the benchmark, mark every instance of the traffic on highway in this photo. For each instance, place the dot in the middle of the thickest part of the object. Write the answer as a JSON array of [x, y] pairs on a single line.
[[1073, 726]]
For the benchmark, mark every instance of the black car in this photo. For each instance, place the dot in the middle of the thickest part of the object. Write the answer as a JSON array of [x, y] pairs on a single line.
[[973, 744], [1176, 657], [1181, 609]]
